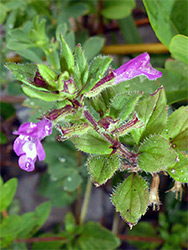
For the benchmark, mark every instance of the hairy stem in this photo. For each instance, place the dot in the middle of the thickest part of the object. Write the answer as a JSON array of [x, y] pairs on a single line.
[[123, 151], [86, 201]]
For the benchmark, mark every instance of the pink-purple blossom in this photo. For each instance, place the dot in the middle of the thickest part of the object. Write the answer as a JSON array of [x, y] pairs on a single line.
[[28, 144], [140, 65]]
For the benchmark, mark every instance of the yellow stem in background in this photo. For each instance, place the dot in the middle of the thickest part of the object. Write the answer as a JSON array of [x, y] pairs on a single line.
[[126, 49]]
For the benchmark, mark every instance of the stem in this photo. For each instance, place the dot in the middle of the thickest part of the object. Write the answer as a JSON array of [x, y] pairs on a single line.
[[120, 236], [86, 201], [123, 151], [115, 223]]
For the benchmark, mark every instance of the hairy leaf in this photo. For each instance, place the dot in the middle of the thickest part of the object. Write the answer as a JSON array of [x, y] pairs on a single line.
[[152, 112], [92, 143], [81, 67], [180, 170], [102, 168], [123, 104], [131, 198], [66, 58], [155, 154]]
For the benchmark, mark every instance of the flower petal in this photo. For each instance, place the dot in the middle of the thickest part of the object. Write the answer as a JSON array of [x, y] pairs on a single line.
[[18, 145], [140, 65], [29, 147], [27, 129], [44, 128], [40, 151], [26, 163]]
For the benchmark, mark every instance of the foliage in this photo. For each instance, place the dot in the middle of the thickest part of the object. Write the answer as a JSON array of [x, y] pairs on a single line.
[[16, 229], [157, 145], [171, 229], [134, 129]]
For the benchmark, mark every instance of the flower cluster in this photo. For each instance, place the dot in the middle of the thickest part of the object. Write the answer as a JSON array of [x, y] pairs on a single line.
[[28, 145]]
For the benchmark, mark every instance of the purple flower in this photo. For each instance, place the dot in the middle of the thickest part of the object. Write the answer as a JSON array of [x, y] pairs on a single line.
[[28, 146], [140, 65]]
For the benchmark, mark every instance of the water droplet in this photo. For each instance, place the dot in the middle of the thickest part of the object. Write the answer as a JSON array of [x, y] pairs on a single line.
[[69, 179], [184, 179], [61, 159], [181, 171], [53, 178], [32, 103], [173, 171], [10, 26]]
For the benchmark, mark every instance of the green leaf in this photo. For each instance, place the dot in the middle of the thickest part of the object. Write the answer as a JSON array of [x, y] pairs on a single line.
[[44, 245], [129, 30], [43, 95], [61, 29], [11, 225], [179, 47], [3, 13], [168, 18], [7, 110], [29, 55], [175, 84], [102, 168], [92, 143], [66, 58], [7, 193], [93, 46], [59, 164], [76, 10], [143, 229], [72, 182], [70, 40], [48, 75], [177, 128], [53, 59], [101, 103], [123, 104], [97, 68], [177, 66], [23, 72], [155, 154], [117, 9], [151, 111], [131, 198], [33, 221], [37, 108], [3, 138], [52, 189], [93, 237], [19, 35], [69, 222], [81, 68]]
